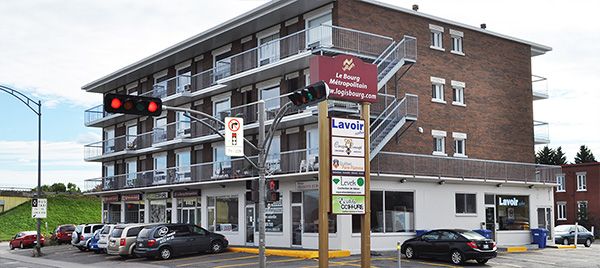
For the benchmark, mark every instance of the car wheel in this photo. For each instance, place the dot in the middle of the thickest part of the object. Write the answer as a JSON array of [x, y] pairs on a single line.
[[565, 241], [21, 245], [456, 257], [216, 246], [482, 261], [165, 253], [409, 252], [588, 243], [10, 245]]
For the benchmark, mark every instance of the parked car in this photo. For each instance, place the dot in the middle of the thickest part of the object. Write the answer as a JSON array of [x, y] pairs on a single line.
[[104, 235], [93, 242], [455, 245], [565, 234], [25, 239], [122, 239], [166, 240], [82, 235], [63, 233]]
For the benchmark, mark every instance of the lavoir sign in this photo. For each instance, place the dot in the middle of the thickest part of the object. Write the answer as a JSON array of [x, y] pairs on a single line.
[[348, 77]]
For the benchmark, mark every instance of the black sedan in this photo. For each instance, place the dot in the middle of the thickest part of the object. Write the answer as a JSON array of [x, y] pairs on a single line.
[[565, 235], [166, 240], [456, 245]]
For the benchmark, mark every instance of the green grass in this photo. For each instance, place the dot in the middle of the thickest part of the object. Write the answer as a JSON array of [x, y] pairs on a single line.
[[62, 209]]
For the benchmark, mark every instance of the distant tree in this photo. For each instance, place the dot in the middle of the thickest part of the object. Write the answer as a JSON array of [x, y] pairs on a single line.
[[584, 155], [72, 188], [545, 156], [58, 187], [559, 157]]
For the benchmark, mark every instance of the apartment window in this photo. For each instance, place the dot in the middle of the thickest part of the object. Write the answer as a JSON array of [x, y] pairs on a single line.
[[160, 129], [183, 162], [223, 214], [273, 163], [319, 30], [582, 210], [457, 42], [561, 210], [159, 90], [437, 89], [437, 33], [131, 171], [466, 204], [131, 136], [268, 51], [184, 80], [439, 138], [271, 98], [391, 212], [109, 140], [183, 125], [581, 182], [560, 181], [160, 169], [458, 93], [222, 162], [460, 144], [221, 108], [222, 62]]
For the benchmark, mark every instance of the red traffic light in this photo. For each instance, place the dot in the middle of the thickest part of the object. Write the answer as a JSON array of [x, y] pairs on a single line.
[[128, 104], [115, 103], [273, 185], [152, 107]]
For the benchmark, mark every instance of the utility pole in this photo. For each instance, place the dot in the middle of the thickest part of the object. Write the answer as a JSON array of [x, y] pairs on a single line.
[[262, 259]]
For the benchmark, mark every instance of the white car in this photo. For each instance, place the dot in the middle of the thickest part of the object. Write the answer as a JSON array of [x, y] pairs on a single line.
[[104, 236]]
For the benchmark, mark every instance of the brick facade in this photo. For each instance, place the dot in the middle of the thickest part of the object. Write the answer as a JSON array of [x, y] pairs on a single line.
[[571, 196]]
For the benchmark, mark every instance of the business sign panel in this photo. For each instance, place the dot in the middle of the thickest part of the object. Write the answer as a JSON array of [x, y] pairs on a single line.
[[39, 208], [343, 146], [351, 204], [307, 185], [351, 128], [131, 197], [234, 136], [348, 185], [347, 165], [348, 77]]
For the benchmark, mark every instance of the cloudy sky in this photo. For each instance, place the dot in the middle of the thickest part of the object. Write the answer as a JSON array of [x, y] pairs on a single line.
[[50, 48]]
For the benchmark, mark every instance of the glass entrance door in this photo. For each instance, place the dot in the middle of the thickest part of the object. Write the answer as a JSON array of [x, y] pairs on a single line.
[[490, 220], [545, 220], [250, 227], [297, 228]]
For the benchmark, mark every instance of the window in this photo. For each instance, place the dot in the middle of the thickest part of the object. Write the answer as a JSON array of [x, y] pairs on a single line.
[[457, 42], [466, 203], [318, 35], [437, 33], [183, 125], [268, 51], [460, 141], [439, 138], [184, 79], [311, 213], [160, 169], [458, 93], [561, 210], [183, 162], [109, 174], [159, 90], [437, 89], [222, 162], [435, 235], [581, 182], [131, 169], [391, 212], [222, 62], [560, 181], [271, 98], [512, 212], [159, 133], [109, 140], [223, 213], [221, 108], [312, 146], [273, 163], [582, 213], [131, 136]]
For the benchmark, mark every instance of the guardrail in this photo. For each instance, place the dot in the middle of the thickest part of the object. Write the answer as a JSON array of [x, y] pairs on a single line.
[[539, 86], [541, 132]]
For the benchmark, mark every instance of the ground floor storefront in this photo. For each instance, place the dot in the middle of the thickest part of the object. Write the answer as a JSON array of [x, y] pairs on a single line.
[[399, 207]]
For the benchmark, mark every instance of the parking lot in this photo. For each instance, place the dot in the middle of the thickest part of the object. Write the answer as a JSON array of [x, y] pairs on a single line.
[[67, 256]]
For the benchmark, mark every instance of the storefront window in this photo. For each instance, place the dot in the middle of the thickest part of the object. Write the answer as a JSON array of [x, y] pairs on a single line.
[[466, 203], [311, 214], [274, 216], [186, 210], [223, 215], [398, 216], [158, 211], [114, 213], [132, 212], [513, 212]]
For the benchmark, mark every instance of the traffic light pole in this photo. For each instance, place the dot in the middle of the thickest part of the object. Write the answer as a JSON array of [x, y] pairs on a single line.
[[262, 258]]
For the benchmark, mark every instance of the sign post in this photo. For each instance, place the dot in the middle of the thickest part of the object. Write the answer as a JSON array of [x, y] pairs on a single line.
[[365, 221], [324, 177], [234, 136]]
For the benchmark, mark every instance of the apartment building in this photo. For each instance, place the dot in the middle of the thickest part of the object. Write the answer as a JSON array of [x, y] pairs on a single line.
[[577, 194], [452, 133]]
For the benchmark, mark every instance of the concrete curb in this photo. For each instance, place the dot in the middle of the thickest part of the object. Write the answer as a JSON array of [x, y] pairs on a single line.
[[304, 254], [562, 246], [513, 249]]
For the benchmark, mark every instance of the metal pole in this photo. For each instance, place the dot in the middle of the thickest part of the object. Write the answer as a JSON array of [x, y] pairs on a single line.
[[262, 260], [38, 252], [576, 233], [398, 246], [324, 177], [365, 226]]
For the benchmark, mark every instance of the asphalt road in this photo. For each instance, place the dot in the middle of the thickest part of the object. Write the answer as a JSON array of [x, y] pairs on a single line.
[[67, 256]]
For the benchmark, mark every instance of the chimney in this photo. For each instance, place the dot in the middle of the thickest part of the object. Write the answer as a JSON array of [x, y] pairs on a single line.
[[416, 7], [483, 26]]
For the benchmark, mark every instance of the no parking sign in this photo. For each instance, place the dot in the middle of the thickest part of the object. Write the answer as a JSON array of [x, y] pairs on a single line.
[[234, 136]]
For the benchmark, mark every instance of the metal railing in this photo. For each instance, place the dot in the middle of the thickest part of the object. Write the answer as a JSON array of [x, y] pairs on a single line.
[[95, 113], [541, 131], [407, 107], [464, 168], [171, 86], [539, 86], [405, 49], [108, 146], [277, 163]]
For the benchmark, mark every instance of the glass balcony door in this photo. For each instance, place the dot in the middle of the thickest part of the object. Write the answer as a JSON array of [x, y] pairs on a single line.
[[268, 51], [319, 35]]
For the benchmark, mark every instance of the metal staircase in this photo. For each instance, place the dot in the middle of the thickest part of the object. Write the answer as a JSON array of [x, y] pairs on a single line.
[[387, 123]]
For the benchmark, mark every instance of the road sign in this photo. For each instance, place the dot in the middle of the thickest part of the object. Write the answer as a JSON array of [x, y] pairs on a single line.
[[348, 204], [38, 208], [347, 185], [234, 136]]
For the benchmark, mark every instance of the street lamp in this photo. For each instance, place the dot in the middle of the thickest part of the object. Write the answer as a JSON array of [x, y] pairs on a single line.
[[30, 103]]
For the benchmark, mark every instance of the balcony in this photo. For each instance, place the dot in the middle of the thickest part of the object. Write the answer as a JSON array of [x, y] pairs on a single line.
[[541, 132], [539, 87]]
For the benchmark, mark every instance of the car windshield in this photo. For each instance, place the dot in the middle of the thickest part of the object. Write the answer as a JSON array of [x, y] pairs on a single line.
[[144, 233], [68, 228], [472, 235], [79, 228], [116, 233], [106, 230], [562, 228]]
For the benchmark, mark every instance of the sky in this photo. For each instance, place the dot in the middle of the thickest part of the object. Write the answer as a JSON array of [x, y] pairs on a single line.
[[50, 48]]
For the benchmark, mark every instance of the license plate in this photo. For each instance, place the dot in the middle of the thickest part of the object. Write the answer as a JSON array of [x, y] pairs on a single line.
[[486, 246]]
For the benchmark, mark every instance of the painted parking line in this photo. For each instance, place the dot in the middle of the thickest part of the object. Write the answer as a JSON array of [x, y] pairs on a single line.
[[504, 264], [526, 260], [255, 263], [195, 257], [219, 260]]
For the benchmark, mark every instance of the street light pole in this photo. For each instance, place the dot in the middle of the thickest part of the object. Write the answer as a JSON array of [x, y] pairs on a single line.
[[262, 259]]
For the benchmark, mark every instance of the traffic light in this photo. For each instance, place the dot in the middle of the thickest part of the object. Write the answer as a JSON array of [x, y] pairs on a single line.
[[252, 191], [129, 104], [272, 190], [310, 94]]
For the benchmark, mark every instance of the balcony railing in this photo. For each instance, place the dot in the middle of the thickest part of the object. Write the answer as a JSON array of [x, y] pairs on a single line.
[[539, 87], [462, 168], [541, 132]]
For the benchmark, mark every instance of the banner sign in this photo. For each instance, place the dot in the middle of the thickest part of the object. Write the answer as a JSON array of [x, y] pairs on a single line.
[[234, 136], [347, 165], [348, 185], [111, 198], [39, 208], [342, 146], [352, 128], [348, 77], [195, 193], [159, 195], [353, 204], [131, 197]]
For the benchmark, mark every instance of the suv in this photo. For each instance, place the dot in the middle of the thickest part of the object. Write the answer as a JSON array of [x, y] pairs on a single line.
[[62, 234], [166, 240], [122, 239], [104, 234], [82, 235]]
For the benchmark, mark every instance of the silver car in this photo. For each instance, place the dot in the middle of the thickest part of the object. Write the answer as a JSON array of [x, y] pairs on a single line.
[[82, 235], [104, 234], [122, 239]]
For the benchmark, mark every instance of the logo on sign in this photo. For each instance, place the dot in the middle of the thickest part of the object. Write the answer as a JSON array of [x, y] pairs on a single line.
[[348, 65], [348, 165], [348, 185], [348, 204], [347, 147], [355, 81]]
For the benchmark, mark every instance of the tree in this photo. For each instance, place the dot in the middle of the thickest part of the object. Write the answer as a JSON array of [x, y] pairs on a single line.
[[58, 187], [545, 156], [559, 157], [72, 188], [584, 155]]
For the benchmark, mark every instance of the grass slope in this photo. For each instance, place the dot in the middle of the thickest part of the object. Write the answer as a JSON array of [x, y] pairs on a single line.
[[62, 209]]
